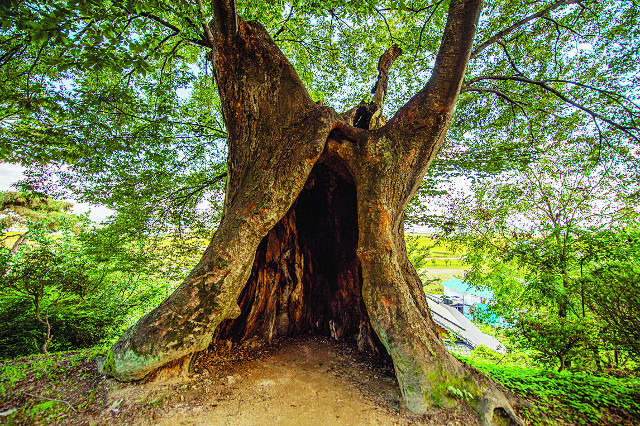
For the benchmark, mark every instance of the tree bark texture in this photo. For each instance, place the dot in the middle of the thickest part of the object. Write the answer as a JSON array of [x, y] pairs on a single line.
[[312, 237]]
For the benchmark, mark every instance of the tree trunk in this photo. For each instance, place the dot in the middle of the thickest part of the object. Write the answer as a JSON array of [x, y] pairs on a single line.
[[306, 276], [312, 237], [562, 365], [47, 334], [44, 349], [22, 238]]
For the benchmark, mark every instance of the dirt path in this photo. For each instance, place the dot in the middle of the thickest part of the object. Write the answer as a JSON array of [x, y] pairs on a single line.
[[304, 381], [308, 385]]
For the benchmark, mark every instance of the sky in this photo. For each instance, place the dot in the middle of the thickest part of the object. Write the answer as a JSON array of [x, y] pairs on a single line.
[[11, 173]]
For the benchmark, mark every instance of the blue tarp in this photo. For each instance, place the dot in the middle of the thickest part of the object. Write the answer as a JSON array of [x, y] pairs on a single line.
[[459, 285]]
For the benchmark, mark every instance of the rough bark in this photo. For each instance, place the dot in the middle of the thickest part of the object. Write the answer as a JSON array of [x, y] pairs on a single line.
[[312, 237], [271, 154]]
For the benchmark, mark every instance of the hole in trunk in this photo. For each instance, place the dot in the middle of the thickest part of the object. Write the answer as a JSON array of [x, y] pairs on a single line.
[[306, 276]]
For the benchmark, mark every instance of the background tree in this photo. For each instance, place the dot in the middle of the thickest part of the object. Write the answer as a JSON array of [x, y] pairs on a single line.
[[612, 285], [291, 160], [553, 340], [70, 286], [19, 208], [39, 272], [538, 237]]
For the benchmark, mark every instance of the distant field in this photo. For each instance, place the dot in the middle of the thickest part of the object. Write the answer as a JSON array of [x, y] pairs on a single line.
[[438, 249], [443, 263], [9, 238], [443, 274], [446, 273]]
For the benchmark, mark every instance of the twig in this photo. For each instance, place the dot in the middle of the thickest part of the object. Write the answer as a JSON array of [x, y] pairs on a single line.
[[50, 399], [501, 34], [275, 36], [628, 130]]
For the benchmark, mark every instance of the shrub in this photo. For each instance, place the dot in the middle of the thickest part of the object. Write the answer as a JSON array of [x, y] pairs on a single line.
[[574, 396]]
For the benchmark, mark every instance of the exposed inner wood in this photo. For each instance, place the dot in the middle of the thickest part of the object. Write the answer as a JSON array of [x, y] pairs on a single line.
[[306, 276]]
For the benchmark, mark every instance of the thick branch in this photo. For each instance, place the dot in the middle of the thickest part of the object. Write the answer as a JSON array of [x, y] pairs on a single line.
[[225, 19], [501, 34], [453, 56], [366, 114], [386, 60], [423, 121]]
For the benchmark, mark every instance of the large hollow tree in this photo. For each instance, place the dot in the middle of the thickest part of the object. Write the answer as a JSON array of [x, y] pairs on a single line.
[[312, 235], [311, 239]]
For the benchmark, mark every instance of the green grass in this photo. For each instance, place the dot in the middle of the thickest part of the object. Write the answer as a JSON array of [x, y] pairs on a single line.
[[436, 247], [574, 398], [57, 388], [45, 367], [444, 263], [433, 288]]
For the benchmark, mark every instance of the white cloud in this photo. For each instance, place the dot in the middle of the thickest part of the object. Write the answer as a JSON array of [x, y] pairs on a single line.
[[9, 174]]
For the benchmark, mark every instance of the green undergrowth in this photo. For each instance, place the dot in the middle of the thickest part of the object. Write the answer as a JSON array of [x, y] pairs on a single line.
[[52, 389], [50, 367], [568, 398]]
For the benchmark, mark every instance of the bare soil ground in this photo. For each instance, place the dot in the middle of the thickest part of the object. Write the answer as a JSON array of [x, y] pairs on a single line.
[[302, 381]]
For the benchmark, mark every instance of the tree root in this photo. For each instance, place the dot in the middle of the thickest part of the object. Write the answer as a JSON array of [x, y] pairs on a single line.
[[492, 401], [495, 397], [178, 369]]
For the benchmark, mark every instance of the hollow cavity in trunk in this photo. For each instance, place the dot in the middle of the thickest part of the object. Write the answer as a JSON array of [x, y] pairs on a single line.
[[306, 276]]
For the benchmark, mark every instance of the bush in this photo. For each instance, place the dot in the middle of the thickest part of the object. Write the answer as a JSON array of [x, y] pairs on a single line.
[[59, 293], [75, 324], [570, 396], [19, 330]]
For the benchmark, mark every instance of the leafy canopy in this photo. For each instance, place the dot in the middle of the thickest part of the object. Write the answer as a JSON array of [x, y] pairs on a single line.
[[114, 101], [18, 207], [558, 244]]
